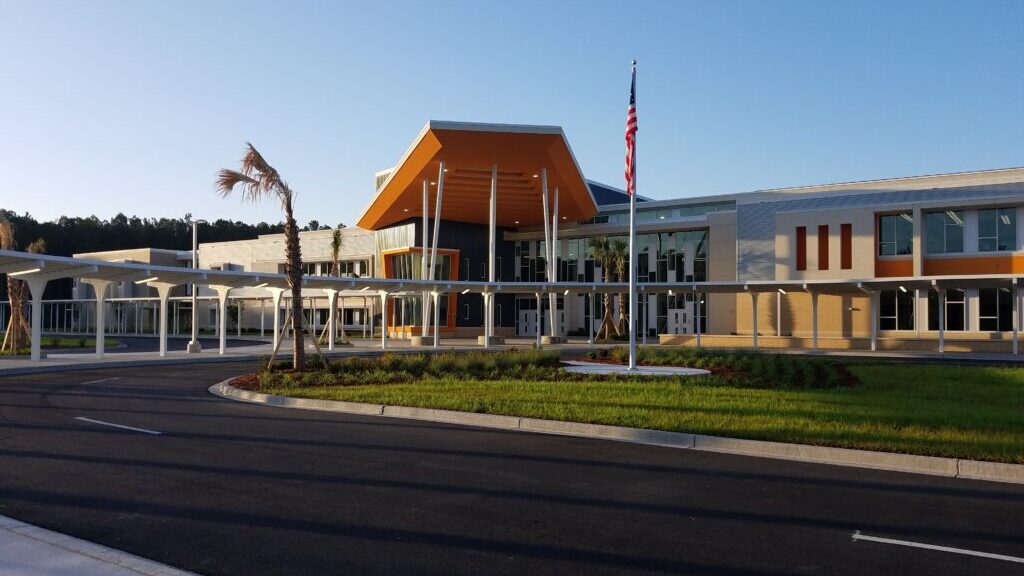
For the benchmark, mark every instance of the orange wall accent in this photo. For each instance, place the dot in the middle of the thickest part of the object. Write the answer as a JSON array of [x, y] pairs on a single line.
[[846, 246], [452, 275], [1008, 264], [823, 247], [801, 248], [894, 268]]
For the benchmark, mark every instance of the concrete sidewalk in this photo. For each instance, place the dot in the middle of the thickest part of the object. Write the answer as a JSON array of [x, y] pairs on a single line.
[[27, 550]]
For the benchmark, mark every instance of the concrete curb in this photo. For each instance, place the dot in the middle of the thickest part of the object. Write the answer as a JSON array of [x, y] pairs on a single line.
[[72, 550], [217, 359], [911, 463]]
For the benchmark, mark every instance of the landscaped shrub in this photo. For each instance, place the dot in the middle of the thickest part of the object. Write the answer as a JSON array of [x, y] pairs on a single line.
[[728, 368]]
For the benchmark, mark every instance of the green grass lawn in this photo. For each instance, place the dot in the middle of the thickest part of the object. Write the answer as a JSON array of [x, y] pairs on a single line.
[[52, 342], [972, 412]]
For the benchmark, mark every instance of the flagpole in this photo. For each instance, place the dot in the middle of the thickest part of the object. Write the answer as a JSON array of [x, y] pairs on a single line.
[[632, 253]]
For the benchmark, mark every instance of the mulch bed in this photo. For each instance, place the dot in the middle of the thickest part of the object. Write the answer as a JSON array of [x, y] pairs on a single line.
[[247, 382]]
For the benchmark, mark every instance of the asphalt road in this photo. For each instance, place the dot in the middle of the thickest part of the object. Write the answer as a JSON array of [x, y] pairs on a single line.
[[232, 488]]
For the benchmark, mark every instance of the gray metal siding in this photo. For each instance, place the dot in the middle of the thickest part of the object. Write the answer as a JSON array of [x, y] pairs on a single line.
[[755, 222]]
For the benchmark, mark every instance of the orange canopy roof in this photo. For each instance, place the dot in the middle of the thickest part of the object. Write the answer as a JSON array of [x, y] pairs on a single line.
[[469, 151]]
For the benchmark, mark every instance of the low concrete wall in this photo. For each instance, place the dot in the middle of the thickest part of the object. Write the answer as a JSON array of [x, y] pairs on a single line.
[[961, 342]]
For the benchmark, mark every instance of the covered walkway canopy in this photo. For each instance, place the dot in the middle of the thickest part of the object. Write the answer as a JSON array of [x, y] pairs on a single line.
[[38, 269]]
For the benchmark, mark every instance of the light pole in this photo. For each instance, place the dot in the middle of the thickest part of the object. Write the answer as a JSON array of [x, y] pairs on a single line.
[[194, 347]]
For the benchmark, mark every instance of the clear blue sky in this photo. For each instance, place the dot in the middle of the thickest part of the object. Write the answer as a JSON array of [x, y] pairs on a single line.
[[132, 106]]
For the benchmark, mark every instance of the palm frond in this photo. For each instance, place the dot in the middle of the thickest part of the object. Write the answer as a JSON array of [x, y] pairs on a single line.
[[37, 247], [227, 180], [7, 241], [256, 166]]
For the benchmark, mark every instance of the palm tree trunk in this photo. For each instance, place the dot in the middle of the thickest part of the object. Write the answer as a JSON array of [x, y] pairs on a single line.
[[294, 271]]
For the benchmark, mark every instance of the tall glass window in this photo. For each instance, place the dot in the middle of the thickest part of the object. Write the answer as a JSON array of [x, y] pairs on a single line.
[[995, 309], [895, 310], [895, 234], [997, 229], [945, 232], [955, 310]]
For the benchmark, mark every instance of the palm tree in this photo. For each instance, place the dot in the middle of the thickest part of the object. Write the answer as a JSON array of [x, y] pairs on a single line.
[[258, 180], [620, 259], [601, 250], [18, 330], [336, 243]]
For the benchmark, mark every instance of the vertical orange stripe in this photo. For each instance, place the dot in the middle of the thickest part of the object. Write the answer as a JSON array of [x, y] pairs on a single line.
[[801, 248], [823, 247], [846, 246]]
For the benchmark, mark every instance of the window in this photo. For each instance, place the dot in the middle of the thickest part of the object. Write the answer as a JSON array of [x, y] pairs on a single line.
[[997, 229], [846, 246], [895, 310], [995, 309], [801, 248], [955, 310], [945, 232], [823, 247], [895, 235]]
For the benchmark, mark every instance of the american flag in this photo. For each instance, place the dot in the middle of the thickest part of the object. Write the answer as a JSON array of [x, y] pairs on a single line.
[[631, 137]]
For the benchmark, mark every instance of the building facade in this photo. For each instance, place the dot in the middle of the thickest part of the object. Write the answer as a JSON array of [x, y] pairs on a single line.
[[482, 202]]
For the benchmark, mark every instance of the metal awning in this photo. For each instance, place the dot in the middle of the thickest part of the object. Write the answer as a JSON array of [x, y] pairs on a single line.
[[46, 267]]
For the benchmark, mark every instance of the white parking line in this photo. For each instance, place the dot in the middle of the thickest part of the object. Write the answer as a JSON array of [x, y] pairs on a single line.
[[122, 426], [98, 381], [858, 536]]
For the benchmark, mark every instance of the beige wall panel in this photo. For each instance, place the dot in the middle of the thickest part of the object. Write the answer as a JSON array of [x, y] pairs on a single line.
[[837, 315], [863, 243]]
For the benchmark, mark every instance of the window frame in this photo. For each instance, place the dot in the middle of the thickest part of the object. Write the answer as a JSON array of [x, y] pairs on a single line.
[[951, 219], [1010, 213], [898, 248]]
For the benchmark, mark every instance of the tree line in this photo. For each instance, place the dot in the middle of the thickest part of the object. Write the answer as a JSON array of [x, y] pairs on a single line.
[[69, 235]]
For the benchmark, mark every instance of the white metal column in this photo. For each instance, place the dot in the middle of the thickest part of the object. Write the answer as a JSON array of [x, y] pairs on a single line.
[[697, 301], [36, 287], [540, 316], [424, 306], [590, 339], [163, 291], [942, 320], [100, 288], [778, 313], [1016, 316], [555, 255], [384, 320], [547, 234], [222, 316], [332, 317], [275, 298], [873, 298], [492, 246], [753, 304], [437, 225], [814, 320], [437, 318]]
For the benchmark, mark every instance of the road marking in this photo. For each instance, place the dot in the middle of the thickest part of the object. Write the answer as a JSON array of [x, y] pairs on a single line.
[[122, 426], [98, 381], [858, 536]]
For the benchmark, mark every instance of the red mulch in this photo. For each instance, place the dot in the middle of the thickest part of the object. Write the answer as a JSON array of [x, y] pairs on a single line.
[[246, 382]]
